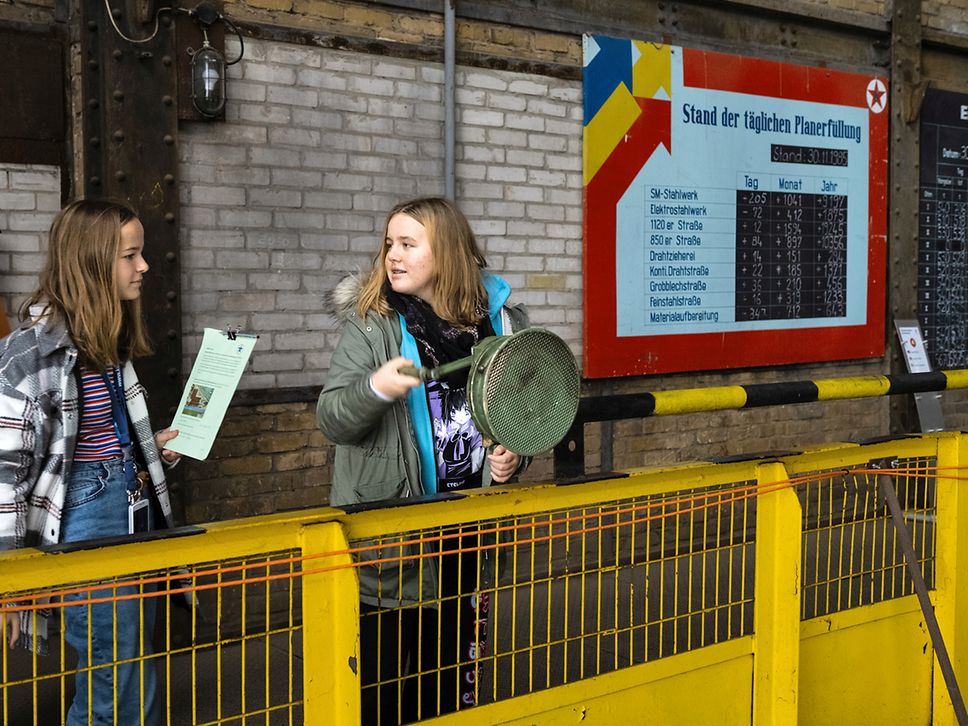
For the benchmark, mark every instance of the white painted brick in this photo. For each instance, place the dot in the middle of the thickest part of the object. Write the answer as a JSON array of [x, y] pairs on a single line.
[[388, 69], [369, 124], [547, 143], [546, 178], [216, 280], [347, 182], [294, 137], [275, 198], [328, 200], [317, 119], [506, 101], [520, 193], [506, 173], [264, 113], [22, 242], [400, 187], [296, 178], [33, 180], [489, 227], [265, 156], [479, 79], [292, 96], [386, 145], [564, 231], [393, 109], [345, 63], [272, 239], [430, 112], [370, 86], [269, 74], [26, 264], [253, 176], [245, 302], [215, 154], [299, 220], [197, 259], [277, 280], [342, 102], [547, 108], [240, 91], [349, 222], [475, 117], [295, 261], [423, 167], [503, 137], [17, 200], [349, 142], [509, 210], [293, 55], [243, 218], [566, 128], [4, 179], [473, 172], [296, 341], [470, 96], [563, 264], [491, 154], [321, 79], [324, 159], [528, 87], [546, 211], [564, 197], [431, 149], [276, 362], [278, 321], [370, 202], [563, 162], [28, 222], [223, 196], [432, 74], [241, 260], [525, 121], [417, 129], [546, 247], [417, 91]]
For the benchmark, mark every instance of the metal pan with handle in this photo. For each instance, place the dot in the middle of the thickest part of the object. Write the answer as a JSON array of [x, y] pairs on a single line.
[[522, 389]]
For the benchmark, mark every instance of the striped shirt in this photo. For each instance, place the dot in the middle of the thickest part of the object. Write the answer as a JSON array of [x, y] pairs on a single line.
[[97, 438]]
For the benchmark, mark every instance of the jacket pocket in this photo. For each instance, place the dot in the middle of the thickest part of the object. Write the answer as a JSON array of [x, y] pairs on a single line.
[[376, 491]]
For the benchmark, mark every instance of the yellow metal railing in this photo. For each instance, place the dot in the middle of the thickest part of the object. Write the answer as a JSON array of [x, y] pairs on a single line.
[[771, 591]]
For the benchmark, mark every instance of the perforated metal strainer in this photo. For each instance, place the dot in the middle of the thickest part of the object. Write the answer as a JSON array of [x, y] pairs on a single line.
[[522, 389]]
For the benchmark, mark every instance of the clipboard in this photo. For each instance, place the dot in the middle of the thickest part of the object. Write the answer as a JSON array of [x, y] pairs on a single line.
[[208, 392]]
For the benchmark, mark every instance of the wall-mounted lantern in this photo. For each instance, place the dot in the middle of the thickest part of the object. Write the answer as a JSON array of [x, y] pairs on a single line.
[[208, 64]]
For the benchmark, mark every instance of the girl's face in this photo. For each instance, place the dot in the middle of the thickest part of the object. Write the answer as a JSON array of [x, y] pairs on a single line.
[[409, 260], [130, 266]]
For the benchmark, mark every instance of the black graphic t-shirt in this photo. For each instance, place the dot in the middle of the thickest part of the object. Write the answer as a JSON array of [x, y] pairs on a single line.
[[458, 445]]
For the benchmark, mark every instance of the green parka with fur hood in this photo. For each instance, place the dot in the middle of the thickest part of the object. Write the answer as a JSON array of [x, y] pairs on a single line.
[[378, 443]]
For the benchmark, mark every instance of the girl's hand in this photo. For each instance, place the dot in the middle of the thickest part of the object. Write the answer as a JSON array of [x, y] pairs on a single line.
[[503, 463], [162, 438], [388, 381], [14, 620]]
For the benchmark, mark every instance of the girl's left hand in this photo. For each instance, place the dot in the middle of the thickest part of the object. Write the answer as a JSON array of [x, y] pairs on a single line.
[[503, 463], [162, 438]]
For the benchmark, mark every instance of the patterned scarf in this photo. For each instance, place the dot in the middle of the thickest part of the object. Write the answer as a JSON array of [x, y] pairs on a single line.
[[439, 341]]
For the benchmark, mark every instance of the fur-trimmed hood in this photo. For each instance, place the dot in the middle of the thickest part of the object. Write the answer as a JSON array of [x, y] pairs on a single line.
[[342, 299]]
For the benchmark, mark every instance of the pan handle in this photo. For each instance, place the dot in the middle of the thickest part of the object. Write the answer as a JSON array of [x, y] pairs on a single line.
[[434, 374]]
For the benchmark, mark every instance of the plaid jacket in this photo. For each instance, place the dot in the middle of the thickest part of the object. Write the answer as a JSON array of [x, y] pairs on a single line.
[[39, 420]]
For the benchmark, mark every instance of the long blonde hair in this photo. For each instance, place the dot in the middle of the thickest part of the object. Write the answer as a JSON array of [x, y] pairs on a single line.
[[78, 284], [459, 295]]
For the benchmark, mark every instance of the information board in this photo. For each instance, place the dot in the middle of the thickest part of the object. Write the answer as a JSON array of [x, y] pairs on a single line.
[[735, 211], [942, 247]]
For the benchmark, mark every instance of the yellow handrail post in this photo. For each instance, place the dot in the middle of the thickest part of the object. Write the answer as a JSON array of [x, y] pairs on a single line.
[[776, 610], [950, 583], [331, 627]]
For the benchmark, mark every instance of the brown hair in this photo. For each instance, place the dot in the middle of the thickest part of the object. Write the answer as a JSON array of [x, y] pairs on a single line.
[[459, 294], [78, 284]]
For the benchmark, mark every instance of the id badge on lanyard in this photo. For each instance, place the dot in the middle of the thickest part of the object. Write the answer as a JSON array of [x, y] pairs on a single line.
[[138, 513]]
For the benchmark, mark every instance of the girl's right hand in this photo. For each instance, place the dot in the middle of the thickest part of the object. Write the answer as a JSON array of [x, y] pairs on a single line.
[[390, 382], [14, 620]]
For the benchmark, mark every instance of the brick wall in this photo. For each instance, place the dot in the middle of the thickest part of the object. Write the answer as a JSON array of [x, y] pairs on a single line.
[[29, 199], [289, 194], [40, 12]]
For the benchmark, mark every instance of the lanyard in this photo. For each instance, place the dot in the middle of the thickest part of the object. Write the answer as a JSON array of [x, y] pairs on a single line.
[[119, 412]]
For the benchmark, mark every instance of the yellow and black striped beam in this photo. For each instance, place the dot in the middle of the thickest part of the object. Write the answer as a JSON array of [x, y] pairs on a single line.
[[720, 398]]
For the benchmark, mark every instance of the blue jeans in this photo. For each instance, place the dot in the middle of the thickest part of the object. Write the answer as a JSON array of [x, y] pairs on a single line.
[[96, 505]]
